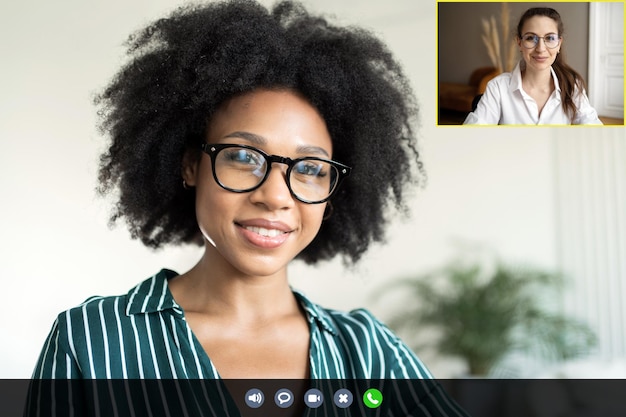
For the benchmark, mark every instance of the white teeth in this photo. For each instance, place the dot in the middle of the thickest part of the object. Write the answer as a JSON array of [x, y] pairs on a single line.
[[265, 232]]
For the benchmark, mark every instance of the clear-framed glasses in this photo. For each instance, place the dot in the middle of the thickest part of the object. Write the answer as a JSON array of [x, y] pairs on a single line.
[[530, 40], [242, 168]]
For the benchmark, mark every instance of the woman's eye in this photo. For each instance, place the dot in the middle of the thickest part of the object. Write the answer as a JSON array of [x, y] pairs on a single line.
[[311, 169], [243, 156], [530, 38], [551, 38]]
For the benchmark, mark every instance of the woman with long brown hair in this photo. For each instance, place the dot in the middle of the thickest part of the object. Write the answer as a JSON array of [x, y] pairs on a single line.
[[543, 88]]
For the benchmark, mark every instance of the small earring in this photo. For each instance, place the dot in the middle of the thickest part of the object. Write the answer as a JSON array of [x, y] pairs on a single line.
[[185, 186], [328, 211]]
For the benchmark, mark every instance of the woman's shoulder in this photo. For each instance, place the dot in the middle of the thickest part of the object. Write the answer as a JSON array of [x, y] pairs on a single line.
[[357, 322], [511, 79], [97, 334], [95, 305], [357, 319], [501, 80], [363, 329], [146, 295], [362, 343]]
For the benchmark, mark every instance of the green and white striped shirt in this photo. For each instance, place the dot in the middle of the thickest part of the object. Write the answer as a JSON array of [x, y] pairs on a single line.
[[144, 335]]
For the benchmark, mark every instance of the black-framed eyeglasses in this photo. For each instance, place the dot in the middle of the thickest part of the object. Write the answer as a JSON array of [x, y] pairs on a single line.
[[243, 168], [530, 40]]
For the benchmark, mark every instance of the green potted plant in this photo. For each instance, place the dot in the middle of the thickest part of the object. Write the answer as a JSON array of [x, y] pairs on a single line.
[[482, 314]]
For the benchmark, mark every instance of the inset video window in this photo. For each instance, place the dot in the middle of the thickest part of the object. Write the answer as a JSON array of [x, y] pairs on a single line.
[[516, 63]]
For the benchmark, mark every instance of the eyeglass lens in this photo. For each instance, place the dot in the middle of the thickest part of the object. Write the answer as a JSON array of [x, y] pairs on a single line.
[[531, 40], [243, 169]]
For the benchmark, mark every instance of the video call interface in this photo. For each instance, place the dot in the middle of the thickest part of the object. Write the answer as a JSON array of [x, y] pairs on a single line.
[[570, 203]]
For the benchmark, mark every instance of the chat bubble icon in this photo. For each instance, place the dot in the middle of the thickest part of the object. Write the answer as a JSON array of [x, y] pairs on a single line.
[[283, 398]]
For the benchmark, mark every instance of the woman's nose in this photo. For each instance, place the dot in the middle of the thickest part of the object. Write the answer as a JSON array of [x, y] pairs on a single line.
[[541, 45], [274, 192]]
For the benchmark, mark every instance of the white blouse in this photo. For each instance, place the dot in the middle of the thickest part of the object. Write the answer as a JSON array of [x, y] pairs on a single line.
[[505, 102]]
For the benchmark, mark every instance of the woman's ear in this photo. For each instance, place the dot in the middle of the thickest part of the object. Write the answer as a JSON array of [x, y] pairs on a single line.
[[189, 167]]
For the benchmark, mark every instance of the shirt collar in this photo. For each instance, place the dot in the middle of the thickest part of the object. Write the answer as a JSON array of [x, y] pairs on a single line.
[[316, 314], [516, 78], [152, 295]]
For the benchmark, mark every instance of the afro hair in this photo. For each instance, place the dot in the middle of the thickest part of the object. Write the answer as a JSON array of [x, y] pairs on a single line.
[[183, 67]]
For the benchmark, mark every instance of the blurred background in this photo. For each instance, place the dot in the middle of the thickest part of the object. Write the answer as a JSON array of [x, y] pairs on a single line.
[[550, 198]]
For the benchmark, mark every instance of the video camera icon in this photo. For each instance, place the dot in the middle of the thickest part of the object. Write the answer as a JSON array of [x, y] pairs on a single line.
[[313, 398]]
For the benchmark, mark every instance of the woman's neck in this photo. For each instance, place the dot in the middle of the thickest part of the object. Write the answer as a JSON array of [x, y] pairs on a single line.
[[537, 80], [214, 287], [249, 326]]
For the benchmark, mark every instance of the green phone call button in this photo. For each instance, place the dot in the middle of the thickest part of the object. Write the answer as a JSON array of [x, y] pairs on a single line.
[[372, 398]]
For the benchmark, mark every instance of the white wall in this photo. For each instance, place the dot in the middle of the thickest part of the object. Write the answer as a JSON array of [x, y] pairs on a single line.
[[493, 186], [591, 185]]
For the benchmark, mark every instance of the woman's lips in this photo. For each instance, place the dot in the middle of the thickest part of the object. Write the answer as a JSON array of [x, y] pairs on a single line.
[[263, 233]]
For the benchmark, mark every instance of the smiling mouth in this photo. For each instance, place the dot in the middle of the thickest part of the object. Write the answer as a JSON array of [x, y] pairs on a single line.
[[267, 237], [265, 232]]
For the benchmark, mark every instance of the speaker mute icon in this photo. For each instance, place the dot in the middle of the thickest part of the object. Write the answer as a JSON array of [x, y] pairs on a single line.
[[254, 398]]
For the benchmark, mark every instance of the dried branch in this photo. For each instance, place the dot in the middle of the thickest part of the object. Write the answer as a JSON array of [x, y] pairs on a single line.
[[496, 43], [500, 46]]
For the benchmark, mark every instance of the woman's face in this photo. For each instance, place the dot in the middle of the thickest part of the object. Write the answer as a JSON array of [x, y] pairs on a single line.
[[259, 232], [540, 57]]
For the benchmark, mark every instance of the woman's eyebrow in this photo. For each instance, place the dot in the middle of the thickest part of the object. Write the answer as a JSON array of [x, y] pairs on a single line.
[[250, 137], [260, 140], [315, 150]]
